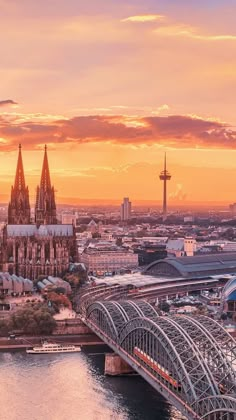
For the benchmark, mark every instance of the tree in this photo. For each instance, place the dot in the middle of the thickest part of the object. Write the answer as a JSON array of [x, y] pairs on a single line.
[[164, 306], [4, 327], [119, 241], [76, 278], [59, 300], [96, 235], [202, 310], [60, 290], [33, 319]]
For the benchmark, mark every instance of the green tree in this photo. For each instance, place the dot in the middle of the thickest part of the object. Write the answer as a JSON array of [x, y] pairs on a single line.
[[164, 306], [4, 327], [33, 319], [96, 235], [119, 241]]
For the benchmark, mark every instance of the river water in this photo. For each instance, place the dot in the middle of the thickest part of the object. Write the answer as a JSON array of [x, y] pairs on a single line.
[[73, 387]]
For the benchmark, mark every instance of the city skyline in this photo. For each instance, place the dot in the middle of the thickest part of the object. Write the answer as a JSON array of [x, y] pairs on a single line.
[[110, 88]]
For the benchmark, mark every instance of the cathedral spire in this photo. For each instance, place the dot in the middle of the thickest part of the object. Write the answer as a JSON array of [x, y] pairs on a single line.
[[45, 208], [45, 183], [19, 206], [20, 177]]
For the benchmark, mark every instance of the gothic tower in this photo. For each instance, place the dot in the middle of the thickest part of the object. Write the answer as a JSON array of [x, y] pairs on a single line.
[[45, 207], [19, 206]]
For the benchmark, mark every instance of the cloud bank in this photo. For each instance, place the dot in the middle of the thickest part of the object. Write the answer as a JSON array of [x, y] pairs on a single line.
[[176, 131]]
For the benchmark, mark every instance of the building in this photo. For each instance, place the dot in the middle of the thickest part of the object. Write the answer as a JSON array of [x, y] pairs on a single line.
[[150, 253], [125, 210], [232, 208], [175, 247], [108, 260], [93, 227], [30, 251], [43, 248], [194, 267], [228, 298], [190, 246], [51, 283], [181, 247], [11, 284], [68, 217]]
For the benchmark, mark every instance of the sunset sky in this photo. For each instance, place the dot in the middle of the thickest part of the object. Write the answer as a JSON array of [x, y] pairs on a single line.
[[110, 86]]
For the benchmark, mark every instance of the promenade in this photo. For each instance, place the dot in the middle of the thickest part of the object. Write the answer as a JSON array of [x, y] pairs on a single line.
[[24, 342]]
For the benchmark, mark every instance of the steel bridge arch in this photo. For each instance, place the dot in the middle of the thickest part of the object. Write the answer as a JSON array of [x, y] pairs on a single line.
[[118, 313], [101, 316], [131, 309], [196, 363], [220, 405], [198, 353], [120, 308], [220, 366], [147, 309], [223, 338], [193, 389], [135, 309]]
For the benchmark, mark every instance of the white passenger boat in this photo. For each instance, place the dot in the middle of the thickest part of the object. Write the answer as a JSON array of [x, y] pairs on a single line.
[[53, 348]]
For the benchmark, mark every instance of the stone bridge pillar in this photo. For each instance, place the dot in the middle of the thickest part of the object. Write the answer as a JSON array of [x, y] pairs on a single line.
[[115, 366]]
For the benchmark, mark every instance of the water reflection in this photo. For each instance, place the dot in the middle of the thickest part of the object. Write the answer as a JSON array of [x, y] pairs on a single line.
[[72, 386]]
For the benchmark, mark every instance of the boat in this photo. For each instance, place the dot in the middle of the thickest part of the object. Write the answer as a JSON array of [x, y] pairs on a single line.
[[53, 348]]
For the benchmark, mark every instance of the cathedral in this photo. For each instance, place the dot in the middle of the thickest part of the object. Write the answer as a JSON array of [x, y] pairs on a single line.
[[31, 248]]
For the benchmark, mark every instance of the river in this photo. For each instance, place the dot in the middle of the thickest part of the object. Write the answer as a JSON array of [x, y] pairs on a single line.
[[73, 387]]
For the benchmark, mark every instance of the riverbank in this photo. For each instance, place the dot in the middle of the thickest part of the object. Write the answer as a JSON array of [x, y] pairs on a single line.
[[24, 342]]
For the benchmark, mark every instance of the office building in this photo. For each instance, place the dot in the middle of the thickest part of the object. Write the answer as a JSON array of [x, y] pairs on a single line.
[[125, 211]]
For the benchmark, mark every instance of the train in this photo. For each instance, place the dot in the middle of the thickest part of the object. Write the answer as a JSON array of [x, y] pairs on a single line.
[[154, 365]]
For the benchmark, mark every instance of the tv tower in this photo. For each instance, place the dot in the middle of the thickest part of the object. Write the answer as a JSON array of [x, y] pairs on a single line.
[[165, 176]]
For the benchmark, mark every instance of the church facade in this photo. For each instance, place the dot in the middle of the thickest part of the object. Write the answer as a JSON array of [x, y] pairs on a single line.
[[31, 248]]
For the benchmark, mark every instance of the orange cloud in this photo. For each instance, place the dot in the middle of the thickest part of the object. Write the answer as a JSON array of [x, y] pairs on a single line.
[[182, 30], [177, 131], [144, 18]]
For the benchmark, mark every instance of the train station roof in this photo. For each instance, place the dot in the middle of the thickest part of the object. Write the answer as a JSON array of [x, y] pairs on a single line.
[[196, 266]]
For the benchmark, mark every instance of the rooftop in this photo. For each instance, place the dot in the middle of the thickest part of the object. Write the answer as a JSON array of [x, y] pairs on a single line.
[[42, 230], [198, 266]]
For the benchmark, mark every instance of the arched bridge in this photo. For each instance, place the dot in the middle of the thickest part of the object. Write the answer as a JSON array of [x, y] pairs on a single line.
[[190, 361]]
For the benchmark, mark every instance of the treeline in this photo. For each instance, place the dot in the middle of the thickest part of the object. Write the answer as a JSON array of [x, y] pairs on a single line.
[[33, 319]]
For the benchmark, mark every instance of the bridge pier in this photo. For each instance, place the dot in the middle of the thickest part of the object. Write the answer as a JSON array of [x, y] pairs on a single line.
[[115, 365]]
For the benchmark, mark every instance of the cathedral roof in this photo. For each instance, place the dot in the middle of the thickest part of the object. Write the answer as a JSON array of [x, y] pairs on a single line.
[[21, 230], [42, 230]]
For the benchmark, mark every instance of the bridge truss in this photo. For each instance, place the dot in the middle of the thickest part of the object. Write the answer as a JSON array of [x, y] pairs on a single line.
[[190, 361]]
